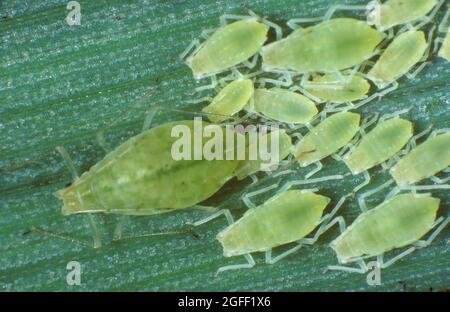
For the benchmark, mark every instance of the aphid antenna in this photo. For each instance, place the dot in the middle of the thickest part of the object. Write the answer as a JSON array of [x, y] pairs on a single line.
[[362, 198], [394, 114], [306, 93]]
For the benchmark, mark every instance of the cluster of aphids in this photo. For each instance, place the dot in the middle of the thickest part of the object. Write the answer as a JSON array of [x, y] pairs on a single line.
[[335, 61]]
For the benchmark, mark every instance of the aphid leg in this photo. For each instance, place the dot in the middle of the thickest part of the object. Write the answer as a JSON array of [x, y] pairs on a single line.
[[250, 263], [393, 192], [294, 23], [119, 227], [278, 29], [217, 214], [364, 183], [56, 235], [290, 184], [234, 17], [150, 114], [306, 93], [412, 142], [192, 47], [95, 231], [343, 7], [270, 260], [394, 114], [361, 270], [318, 165], [100, 136], [212, 85], [442, 224], [438, 131], [251, 64], [367, 123], [246, 197], [397, 257], [444, 24], [438, 180], [361, 199]]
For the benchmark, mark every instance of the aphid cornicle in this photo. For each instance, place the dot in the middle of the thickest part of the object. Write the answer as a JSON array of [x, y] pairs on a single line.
[[329, 46], [284, 105], [140, 177], [399, 222], [285, 218], [228, 46], [230, 100], [326, 138], [424, 161]]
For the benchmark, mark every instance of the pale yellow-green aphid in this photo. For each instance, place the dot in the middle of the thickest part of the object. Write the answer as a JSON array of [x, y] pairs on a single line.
[[284, 105], [327, 137], [248, 167], [329, 46], [380, 144], [399, 222], [397, 12], [400, 56], [424, 161], [230, 100], [228, 46], [356, 89], [287, 217]]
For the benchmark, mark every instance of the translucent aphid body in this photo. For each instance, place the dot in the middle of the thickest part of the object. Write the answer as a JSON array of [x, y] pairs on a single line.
[[377, 146], [141, 177], [327, 137], [283, 219], [398, 222], [329, 46], [396, 12], [230, 100], [400, 56], [356, 89], [228, 46], [248, 167], [423, 161], [284, 105]]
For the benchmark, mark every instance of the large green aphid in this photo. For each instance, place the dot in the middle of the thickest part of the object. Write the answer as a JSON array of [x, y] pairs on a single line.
[[285, 218], [230, 100], [399, 222], [284, 106], [229, 45], [329, 46]]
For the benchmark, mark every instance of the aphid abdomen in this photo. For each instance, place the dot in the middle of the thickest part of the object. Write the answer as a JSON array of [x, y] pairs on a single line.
[[399, 57], [229, 46], [326, 47], [355, 90], [379, 144], [230, 100], [397, 12], [142, 177], [285, 106], [285, 218], [396, 223], [327, 137], [424, 161]]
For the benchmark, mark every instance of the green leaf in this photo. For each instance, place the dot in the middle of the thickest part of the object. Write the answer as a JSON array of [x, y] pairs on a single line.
[[60, 84]]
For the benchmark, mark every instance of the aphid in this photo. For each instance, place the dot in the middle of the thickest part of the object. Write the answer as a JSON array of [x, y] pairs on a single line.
[[285, 218], [248, 167], [356, 89], [229, 45], [405, 51], [328, 47], [397, 12], [284, 106], [141, 177], [424, 161], [326, 138], [230, 100], [399, 222], [377, 146]]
